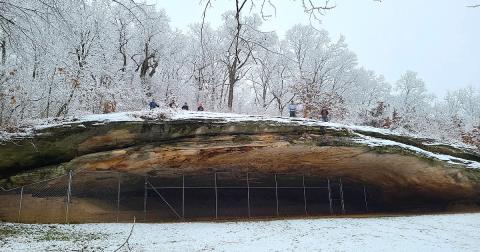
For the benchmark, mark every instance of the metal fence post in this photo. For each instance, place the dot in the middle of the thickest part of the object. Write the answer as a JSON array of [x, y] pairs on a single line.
[[276, 192], [248, 195], [216, 197], [330, 196], [365, 197], [341, 195], [69, 191], [145, 200], [183, 196], [20, 205], [304, 195], [118, 194]]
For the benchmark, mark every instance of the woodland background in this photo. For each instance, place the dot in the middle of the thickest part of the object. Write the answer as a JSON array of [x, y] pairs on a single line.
[[71, 57]]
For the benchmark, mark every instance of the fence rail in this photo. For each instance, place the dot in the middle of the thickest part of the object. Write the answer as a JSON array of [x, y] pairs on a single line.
[[83, 196]]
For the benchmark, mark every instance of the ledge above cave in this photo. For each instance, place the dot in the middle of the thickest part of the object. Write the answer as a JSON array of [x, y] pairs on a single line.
[[54, 141], [167, 143]]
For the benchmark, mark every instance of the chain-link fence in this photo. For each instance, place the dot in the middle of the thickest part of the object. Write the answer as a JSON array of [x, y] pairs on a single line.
[[85, 197], [72, 198], [11, 204]]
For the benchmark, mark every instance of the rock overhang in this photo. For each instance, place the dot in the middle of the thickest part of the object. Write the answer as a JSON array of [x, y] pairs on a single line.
[[401, 166]]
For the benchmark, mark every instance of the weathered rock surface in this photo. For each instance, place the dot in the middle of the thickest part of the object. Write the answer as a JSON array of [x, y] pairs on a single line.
[[400, 166]]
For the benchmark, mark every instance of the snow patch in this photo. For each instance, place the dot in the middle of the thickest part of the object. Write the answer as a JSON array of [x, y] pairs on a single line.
[[376, 142], [419, 233]]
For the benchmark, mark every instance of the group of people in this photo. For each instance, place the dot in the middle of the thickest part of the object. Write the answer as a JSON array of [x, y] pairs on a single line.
[[153, 104], [292, 107]]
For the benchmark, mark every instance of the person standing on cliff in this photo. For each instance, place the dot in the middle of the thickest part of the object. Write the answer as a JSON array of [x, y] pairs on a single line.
[[324, 113], [292, 107], [172, 104], [153, 104]]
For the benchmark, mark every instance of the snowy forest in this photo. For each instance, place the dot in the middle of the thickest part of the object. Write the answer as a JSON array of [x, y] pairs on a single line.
[[70, 58]]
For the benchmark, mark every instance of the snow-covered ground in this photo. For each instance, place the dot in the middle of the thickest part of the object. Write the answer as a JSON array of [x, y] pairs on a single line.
[[460, 232], [30, 127], [175, 114]]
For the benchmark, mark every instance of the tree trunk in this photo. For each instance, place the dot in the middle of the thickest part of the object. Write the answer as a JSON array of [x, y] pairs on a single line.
[[2, 109], [264, 96], [231, 84], [64, 108], [3, 46]]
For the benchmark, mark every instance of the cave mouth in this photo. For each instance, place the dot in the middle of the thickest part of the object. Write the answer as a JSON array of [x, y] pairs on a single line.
[[110, 196], [235, 195], [263, 195], [253, 195]]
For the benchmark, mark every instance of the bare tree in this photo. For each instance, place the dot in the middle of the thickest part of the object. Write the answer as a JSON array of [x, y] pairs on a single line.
[[237, 57]]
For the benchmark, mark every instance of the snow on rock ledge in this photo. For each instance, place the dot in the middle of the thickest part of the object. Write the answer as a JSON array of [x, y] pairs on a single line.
[[62, 143], [373, 137], [163, 142]]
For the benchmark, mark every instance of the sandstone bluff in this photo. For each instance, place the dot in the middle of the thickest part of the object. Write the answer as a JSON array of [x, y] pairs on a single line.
[[401, 169]]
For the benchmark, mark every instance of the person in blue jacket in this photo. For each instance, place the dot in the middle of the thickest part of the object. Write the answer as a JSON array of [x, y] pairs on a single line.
[[153, 104]]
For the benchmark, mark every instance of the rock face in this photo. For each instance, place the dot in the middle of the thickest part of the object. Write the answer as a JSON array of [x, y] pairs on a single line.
[[400, 168]]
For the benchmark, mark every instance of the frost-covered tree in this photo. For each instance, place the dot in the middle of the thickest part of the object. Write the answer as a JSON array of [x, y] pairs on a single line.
[[324, 70], [367, 92], [412, 101], [69, 57], [241, 41]]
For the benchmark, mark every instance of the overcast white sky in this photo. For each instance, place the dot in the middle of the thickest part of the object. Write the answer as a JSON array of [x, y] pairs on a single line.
[[439, 39]]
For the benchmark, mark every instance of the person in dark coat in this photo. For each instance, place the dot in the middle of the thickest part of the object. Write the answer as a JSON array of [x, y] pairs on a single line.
[[324, 113], [153, 104], [200, 107], [185, 106], [172, 104]]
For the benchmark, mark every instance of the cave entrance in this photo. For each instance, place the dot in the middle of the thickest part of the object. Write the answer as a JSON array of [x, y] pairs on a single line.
[[163, 196], [234, 195]]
